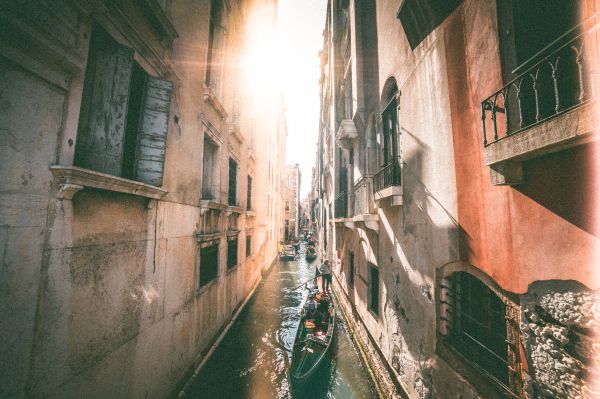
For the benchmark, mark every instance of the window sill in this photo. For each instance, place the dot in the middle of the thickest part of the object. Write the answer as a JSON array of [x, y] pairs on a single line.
[[235, 209], [205, 237], [206, 286], [250, 213], [73, 179], [231, 269], [210, 204], [211, 98]]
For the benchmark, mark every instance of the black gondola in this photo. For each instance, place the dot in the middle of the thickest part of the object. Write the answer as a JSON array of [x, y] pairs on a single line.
[[314, 336]]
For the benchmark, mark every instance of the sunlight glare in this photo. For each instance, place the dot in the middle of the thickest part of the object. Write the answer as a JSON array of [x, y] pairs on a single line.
[[260, 61]]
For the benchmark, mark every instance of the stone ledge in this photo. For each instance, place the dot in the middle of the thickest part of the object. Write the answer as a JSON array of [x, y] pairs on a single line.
[[72, 179], [393, 192], [563, 131], [370, 221]]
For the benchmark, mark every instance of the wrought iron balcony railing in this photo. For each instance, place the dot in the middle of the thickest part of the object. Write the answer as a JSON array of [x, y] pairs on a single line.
[[341, 205], [363, 196], [555, 81], [389, 175]]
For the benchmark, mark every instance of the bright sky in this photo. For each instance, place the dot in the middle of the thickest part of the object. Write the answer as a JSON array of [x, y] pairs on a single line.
[[300, 35]]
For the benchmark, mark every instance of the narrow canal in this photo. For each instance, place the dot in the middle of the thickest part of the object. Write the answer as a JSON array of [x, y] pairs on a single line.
[[252, 360]]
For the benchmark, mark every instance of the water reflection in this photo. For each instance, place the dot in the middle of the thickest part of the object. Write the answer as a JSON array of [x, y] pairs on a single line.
[[253, 359]]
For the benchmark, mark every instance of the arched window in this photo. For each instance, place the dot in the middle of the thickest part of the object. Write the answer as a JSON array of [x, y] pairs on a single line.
[[389, 172], [389, 120]]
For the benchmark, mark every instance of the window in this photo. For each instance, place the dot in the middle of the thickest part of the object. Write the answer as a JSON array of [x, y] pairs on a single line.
[[287, 206], [373, 289], [210, 177], [389, 173], [476, 325], [209, 263], [530, 31], [232, 196], [249, 194], [248, 246], [420, 17], [124, 114], [232, 253], [351, 269], [216, 42], [389, 119]]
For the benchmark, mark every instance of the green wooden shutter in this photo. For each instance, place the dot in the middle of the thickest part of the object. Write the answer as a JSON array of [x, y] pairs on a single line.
[[152, 137], [100, 134]]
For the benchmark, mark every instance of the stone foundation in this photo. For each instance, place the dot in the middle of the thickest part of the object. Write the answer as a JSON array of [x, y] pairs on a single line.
[[560, 322]]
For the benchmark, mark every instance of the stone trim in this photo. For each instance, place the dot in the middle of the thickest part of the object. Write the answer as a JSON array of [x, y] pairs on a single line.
[[73, 179]]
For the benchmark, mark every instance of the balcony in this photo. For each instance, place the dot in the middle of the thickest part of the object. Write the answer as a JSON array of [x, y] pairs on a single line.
[[341, 206], [364, 212], [387, 183], [548, 107]]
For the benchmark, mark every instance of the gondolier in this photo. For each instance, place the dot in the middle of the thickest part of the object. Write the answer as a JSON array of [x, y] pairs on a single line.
[[325, 270]]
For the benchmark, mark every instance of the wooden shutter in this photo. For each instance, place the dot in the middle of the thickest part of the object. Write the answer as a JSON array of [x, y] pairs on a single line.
[[100, 135], [152, 137]]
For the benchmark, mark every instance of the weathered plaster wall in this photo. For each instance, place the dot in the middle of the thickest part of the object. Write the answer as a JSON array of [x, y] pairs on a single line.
[[99, 294], [30, 121]]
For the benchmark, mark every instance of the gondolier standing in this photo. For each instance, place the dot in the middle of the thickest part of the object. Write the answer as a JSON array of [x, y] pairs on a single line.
[[325, 270]]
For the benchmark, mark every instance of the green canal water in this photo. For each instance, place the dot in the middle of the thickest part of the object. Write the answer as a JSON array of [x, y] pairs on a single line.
[[253, 359]]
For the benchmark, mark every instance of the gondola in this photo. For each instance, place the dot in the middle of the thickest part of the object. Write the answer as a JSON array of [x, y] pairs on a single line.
[[288, 253], [311, 253], [314, 336]]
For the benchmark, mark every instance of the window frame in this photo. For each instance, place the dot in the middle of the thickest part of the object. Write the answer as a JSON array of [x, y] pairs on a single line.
[[214, 248], [372, 305], [232, 248], [136, 150], [232, 183], [446, 347]]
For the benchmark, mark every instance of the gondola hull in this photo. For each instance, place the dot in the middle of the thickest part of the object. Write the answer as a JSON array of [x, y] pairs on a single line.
[[311, 345]]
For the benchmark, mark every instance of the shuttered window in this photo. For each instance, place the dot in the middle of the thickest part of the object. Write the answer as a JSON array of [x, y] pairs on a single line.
[[124, 114], [249, 194], [351, 269], [232, 195], [373, 289], [209, 264], [232, 253]]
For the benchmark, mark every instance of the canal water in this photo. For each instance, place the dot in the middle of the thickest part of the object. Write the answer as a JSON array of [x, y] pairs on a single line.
[[253, 359]]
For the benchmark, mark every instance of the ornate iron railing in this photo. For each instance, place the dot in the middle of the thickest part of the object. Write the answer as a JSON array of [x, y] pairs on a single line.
[[553, 82], [341, 205], [362, 196], [389, 175]]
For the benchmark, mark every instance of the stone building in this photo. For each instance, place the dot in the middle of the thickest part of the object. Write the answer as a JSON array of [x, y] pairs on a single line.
[[292, 201], [136, 214], [458, 156]]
